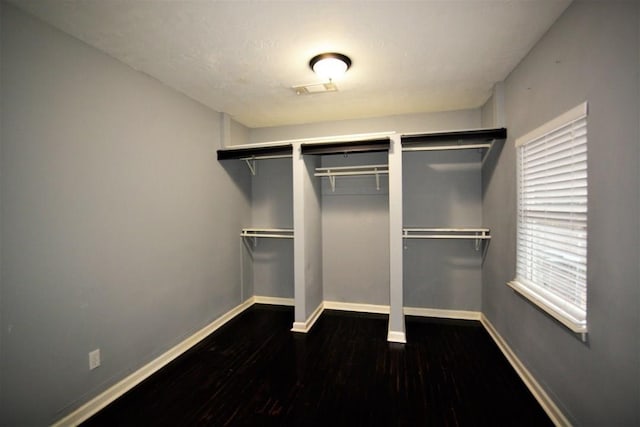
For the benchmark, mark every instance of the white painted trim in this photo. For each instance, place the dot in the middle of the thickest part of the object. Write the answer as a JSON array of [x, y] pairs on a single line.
[[360, 308], [258, 299], [396, 242], [571, 317], [552, 410], [443, 314], [575, 113], [397, 336], [90, 408], [306, 326]]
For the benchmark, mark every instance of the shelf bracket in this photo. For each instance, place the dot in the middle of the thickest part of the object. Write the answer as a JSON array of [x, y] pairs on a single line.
[[485, 155], [377, 179], [332, 181], [251, 163]]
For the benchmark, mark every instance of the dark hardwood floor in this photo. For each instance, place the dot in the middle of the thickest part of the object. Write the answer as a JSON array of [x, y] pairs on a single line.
[[254, 371]]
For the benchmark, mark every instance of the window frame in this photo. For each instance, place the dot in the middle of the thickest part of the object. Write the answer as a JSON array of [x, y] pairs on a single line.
[[567, 313]]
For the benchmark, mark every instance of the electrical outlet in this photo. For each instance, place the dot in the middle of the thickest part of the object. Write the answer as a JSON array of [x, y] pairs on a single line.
[[94, 359]]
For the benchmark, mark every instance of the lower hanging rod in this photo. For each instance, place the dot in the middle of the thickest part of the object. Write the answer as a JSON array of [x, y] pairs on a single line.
[[448, 236], [354, 173], [447, 147], [277, 233]]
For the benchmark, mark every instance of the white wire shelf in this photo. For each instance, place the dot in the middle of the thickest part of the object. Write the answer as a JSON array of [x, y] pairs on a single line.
[[332, 172], [274, 233], [268, 233], [479, 235]]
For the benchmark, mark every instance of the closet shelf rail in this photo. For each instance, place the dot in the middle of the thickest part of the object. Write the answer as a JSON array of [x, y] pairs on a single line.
[[477, 234], [272, 233], [332, 172]]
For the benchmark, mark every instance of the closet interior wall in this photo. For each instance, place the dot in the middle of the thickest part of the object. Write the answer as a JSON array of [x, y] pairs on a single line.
[[308, 240], [442, 189], [270, 260], [355, 232]]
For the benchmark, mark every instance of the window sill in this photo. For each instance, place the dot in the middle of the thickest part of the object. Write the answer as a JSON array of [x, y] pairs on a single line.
[[576, 325]]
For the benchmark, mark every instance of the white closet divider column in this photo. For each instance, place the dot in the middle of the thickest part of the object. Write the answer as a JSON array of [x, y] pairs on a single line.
[[396, 315]]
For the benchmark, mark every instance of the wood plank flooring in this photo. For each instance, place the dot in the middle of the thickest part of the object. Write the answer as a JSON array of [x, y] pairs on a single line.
[[254, 371]]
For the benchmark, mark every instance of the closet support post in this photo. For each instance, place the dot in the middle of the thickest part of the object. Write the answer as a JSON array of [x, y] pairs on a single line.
[[396, 313]]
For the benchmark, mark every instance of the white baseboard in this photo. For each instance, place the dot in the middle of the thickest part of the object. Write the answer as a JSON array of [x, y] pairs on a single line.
[[306, 326], [90, 408], [112, 393], [273, 300], [442, 314], [360, 308], [395, 336], [552, 410]]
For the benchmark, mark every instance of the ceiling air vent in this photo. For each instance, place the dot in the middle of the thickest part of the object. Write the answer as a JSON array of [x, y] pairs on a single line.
[[315, 88]]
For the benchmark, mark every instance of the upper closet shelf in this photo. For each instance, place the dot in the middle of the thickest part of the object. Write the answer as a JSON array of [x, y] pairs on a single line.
[[347, 147], [482, 139], [250, 154], [257, 152]]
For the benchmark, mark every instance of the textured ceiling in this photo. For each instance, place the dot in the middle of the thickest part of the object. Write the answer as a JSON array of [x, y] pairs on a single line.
[[243, 57]]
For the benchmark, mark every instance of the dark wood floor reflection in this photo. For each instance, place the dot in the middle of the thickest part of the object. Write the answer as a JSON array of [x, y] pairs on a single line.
[[254, 371]]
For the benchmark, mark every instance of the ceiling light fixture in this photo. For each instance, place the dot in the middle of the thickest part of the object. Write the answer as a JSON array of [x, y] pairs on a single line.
[[330, 65]]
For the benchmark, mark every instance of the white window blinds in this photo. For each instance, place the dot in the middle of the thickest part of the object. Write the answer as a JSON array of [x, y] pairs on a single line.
[[551, 267]]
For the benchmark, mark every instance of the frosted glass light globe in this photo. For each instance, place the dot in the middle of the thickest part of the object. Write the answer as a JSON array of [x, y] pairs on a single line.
[[330, 66]]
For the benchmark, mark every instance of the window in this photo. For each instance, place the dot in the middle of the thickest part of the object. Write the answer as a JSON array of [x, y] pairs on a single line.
[[551, 268]]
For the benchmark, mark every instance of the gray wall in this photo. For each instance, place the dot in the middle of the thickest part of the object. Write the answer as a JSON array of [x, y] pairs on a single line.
[[272, 206], [487, 112], [355, 233], [442, 189], [591, 53], [308, 237], [112, 230], [426, 122]]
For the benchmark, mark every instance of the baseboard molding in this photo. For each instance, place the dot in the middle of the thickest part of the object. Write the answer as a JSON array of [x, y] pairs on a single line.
[[442, 314], [304, 327], [90, 408], [552, 410], [360, 308], [273, 300]]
